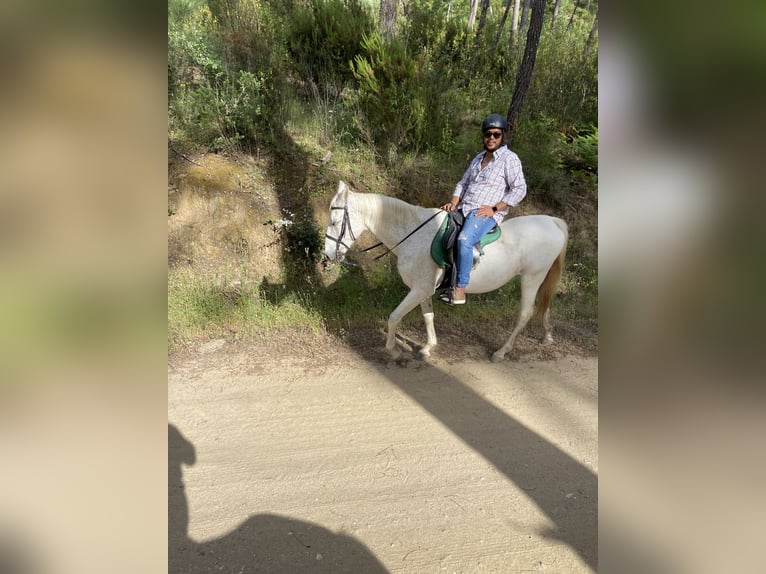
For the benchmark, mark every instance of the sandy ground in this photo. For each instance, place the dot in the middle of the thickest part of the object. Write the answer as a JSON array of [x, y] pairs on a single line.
[[332, 462]]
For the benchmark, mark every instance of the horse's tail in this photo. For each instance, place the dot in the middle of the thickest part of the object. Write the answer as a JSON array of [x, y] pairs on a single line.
[[548, 288]]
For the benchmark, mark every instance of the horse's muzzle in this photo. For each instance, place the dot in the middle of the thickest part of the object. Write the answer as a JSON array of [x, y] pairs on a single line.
[[336, 257]]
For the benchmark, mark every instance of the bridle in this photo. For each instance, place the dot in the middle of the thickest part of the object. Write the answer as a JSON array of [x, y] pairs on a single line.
[[346, 225]]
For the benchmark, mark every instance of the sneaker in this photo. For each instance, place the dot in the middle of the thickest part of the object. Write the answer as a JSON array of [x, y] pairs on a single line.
[[448, 297]]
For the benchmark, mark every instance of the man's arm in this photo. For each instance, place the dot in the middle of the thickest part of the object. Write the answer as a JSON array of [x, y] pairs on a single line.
[[517, 185]]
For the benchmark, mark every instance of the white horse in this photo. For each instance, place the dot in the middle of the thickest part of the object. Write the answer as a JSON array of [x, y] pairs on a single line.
[[532, 246]]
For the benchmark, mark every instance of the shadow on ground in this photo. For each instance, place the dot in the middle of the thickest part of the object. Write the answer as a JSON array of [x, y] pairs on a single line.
[[562, 488], [262, 543]]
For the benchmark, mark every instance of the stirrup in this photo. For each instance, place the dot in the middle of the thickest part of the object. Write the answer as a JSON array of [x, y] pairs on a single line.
[[447, 296]]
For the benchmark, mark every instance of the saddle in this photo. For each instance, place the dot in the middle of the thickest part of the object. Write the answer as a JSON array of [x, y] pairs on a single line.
[[444, 246]]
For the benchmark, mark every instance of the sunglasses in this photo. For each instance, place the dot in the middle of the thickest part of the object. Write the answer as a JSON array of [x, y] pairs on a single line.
[[496, 135]]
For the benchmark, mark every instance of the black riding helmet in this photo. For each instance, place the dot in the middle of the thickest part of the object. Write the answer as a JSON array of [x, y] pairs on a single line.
[[494, 121]]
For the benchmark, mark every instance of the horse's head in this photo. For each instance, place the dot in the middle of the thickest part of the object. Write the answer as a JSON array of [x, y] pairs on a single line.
[[339, 236]]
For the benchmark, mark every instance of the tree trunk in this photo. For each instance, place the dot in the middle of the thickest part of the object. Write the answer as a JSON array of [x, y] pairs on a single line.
[[524, 77], [555, 13], [577, 4], [591, 38], [525, 14], [482, 21], [387, 18], [514, 24], [472, 15], [501, 25]]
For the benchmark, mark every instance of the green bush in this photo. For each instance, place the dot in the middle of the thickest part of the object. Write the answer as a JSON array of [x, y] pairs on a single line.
[[554, 162], [224, 80], [579, 157], [305, 240], [324, 36], [389, 95], [581, 151], [539, 146], [222, 117], [427, 30], [193, 116], [565, 85], [402, 102]]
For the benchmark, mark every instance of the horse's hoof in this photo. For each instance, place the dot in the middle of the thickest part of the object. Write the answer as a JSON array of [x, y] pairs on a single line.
[[547, 341], [498, 358], [395, 354], [421, 356]]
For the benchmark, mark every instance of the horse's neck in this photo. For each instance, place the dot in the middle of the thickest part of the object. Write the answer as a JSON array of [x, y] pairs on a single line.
[[389, 219]]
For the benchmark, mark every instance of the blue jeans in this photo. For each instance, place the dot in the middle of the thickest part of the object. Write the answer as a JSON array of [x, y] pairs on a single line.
[[474, 228]]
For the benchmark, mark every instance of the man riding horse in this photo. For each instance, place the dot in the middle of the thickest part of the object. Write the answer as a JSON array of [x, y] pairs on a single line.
[[493, 183]]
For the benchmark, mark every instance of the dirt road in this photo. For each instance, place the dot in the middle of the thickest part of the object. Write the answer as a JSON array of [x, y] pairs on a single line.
[[329, 462]]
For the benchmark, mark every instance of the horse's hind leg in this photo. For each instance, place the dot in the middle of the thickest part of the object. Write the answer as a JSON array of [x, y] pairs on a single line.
[[408, 304], [548, 339], [529, 287]]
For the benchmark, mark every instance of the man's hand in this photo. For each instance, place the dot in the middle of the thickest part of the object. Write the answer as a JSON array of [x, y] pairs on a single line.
[[485, 211], [448, 206]]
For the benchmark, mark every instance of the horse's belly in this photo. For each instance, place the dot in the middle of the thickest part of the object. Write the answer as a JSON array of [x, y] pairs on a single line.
[[489, 275]]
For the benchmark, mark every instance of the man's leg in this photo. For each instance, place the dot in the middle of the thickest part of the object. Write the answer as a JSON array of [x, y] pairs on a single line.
[[474, 228]]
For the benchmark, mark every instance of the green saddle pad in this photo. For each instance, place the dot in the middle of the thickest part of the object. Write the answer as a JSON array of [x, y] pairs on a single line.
[[437, 245]]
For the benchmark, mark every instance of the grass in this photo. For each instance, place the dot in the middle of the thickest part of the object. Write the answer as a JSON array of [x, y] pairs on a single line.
[[202, 307], [205, 307]]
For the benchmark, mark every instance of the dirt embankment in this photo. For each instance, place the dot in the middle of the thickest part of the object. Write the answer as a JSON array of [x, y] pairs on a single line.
[[222, 215]]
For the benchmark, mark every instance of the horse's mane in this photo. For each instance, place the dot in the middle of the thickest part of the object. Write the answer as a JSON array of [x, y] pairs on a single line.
[[393, 209]]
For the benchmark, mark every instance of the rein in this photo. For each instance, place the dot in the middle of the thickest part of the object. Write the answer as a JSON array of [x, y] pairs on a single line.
[[411, 233], [347, 225]]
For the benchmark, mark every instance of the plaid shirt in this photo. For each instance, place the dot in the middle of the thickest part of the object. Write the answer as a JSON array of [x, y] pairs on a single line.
[[502, 180]]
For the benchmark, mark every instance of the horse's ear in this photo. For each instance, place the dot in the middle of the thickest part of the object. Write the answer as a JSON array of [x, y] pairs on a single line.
[[342, 190]]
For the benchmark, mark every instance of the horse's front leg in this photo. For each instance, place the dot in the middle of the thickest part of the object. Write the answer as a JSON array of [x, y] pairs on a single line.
[[408, 304], [427, 306]]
